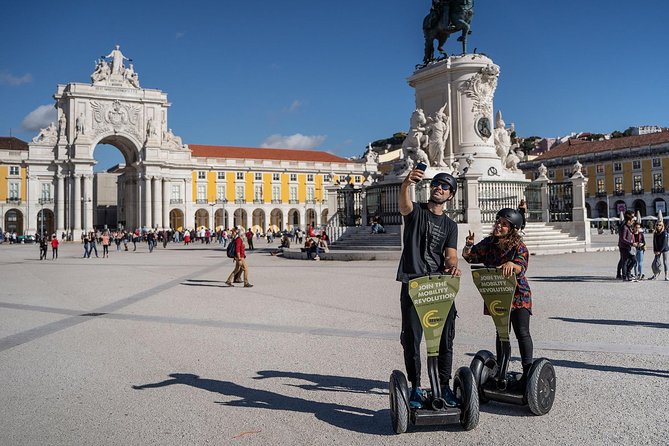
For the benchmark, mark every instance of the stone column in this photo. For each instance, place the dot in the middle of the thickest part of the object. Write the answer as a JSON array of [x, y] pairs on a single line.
[[545, 198], [579, 212], [60, 203], [88, 202], [158, 202], [76, 199], [164, 184], [472, 209], [284, 220], [148, 201]]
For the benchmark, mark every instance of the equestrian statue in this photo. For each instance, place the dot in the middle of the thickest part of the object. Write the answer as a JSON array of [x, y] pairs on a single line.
[[445, 18]]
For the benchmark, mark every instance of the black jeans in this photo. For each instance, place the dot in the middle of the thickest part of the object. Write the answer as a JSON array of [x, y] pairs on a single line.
[[520, 321], [412, 334]]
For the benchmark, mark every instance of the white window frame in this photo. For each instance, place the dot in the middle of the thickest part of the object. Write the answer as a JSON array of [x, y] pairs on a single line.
[[357, 178], [276, 192], [599, 168], [659, 162], [45, 192], [201, 175], [326, 178], [220, 175], [310, 177], [257, 176], [220, 192], [14, 191], [240, 192], [617, 181], [601, 186], [617, 167], [201, 192], [257, 192], [311, 193], [293, 177], [239, 176], [276, 177], [14, 171], [636, 164], [176, 192], [293, 193]]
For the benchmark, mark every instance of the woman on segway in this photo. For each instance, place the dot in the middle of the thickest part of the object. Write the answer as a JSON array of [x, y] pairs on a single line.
[[504, 249]]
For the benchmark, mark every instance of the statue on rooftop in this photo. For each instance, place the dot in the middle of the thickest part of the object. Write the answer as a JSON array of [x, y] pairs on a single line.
[[445, 18]]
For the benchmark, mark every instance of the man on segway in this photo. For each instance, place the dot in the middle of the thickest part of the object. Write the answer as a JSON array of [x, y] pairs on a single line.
[[430, 247]]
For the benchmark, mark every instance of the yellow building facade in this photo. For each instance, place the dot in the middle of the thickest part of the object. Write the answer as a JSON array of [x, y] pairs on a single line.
[[623, 173]]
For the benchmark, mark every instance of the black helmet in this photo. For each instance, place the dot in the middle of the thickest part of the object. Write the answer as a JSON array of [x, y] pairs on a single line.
[[512, 216], [447, 178]]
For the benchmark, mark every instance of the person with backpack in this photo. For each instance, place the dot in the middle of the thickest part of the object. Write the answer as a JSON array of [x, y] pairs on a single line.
[[236, 251]]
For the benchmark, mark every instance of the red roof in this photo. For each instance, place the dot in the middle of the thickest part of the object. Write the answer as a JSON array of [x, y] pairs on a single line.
[[575, 147], [202, 151], [12, 143]]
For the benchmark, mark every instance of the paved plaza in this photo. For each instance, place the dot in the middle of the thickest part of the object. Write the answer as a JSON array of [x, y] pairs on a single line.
[[152, 348]]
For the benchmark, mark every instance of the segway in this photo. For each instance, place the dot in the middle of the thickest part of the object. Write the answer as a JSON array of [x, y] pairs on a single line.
[[490, 373], [433, 297]]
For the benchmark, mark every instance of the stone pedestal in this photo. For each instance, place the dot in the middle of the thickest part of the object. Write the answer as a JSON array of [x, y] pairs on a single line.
[[467, 85]]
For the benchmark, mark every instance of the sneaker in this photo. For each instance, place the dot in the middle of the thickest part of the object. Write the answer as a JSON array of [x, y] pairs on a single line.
[[229, 283], [666, 278], [652, 277], [317, 258], [418, 397], [448, 396], [248, 285], [642, 277]]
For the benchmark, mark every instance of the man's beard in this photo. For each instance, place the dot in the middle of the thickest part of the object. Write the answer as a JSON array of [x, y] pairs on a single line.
[[437, 201]]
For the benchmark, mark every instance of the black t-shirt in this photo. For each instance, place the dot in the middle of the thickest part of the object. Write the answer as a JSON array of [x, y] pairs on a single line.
[[426, 237]]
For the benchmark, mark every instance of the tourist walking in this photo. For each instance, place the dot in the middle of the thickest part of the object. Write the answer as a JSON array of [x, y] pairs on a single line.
[[625, 242], [430, 247], [54, 247], [249, 239], [640, 245], [660, 249], [93, 244], [105, 244], [240, 258], [43, 247], [504, 249]]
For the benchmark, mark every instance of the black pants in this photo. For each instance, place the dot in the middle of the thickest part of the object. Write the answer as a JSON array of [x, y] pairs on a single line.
[[520, 321], [412, 334]]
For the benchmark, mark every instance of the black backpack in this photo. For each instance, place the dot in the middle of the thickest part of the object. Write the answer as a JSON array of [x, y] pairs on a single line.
[[232, 249]]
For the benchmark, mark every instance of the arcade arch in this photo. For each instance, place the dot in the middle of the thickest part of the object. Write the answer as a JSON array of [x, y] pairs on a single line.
[[14, 221], [275, 220], [177, 219], [220, 222], [258, 220], [45, 222], [310, 218], [293, 219], [201, 219], [240, 218], [324, 216]]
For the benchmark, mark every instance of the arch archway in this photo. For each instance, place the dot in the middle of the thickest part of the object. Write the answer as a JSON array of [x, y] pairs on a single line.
[[602, 210], [14, 221], [201, 218], [119, 194], [220, 220], [310, 217], [293, 218], [176, 219], [659, 204], [240, 218], [588, 210], [45, 222], [640, 207], [275, 220], [258, 220], [324, 216]]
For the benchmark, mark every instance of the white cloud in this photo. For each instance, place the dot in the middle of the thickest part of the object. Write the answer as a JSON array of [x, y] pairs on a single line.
[[296, 141], [7, 78], [39, 118], [294, 106]]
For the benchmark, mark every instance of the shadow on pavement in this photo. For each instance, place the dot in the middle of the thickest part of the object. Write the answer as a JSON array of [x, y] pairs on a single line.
[[573, 278], [346, 417], [614, 322], [330, 383]]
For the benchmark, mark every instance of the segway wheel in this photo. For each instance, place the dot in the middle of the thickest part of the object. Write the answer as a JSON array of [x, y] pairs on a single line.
[[483, 368], [465, 390], [399, 402], [540, 392]]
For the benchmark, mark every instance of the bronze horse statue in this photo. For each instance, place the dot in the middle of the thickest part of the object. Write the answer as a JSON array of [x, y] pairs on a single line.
[[445, 18]]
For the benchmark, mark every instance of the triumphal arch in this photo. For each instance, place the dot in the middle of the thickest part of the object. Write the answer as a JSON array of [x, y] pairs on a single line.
[[112, 109]]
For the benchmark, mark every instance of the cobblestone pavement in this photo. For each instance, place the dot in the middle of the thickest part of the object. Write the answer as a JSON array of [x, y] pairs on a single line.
[[152, 348]]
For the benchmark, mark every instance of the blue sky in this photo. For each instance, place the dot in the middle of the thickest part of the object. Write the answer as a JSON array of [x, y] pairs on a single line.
[[332, 75]]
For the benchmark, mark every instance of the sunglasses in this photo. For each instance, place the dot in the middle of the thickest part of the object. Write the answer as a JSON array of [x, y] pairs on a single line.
[[442, 184]]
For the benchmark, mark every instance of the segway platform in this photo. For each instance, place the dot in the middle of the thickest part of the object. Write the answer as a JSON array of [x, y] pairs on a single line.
[[490, 372], [433, 297]]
